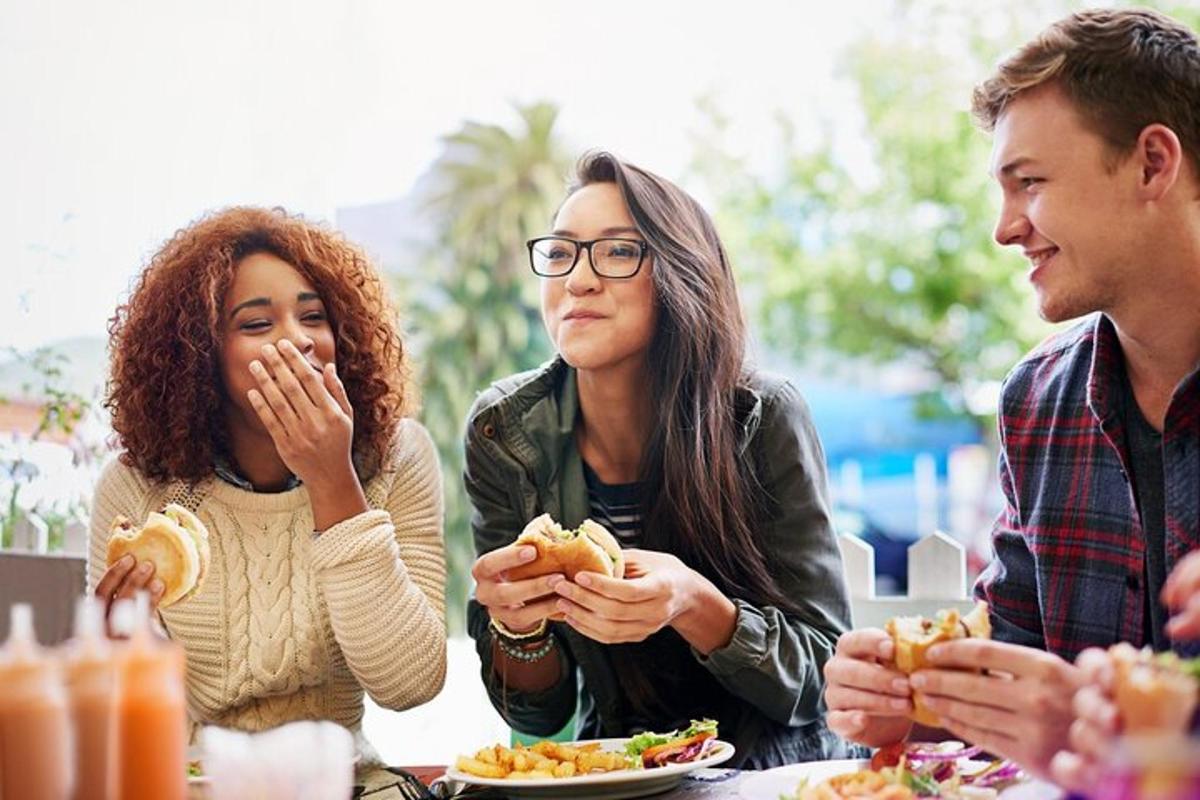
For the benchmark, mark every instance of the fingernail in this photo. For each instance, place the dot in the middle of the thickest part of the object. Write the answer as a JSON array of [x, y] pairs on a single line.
[[145, 568], [917, 681], [269, 350], [934, 653], [527, 553], [554, 580], [583, 580], [885, 648], [900, 685], [156, 587], [256, 366], [127, 561]]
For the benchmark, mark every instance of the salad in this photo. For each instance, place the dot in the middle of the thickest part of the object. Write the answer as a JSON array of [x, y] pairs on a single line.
[[915, 770], [675, 747]]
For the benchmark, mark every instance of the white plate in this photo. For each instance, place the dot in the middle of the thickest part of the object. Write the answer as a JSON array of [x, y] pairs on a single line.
[[771, 784], [603, 785]]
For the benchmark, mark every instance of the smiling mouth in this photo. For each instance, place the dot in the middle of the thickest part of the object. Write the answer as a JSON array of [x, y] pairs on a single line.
[[1040, 257]]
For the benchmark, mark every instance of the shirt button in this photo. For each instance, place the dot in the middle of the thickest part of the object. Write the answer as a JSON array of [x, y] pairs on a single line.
[[489, 430], [1133, 581]]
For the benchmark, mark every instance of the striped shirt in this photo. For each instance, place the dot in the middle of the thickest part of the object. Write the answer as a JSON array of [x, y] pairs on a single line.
[[615, 506]]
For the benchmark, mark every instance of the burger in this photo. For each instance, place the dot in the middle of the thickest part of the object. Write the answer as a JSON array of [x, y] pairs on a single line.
[[1156, 693], [913, 636], [174, 540], [588, 548]]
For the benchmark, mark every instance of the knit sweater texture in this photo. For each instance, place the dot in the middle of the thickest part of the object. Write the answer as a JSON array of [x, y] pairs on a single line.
[[291, 624]]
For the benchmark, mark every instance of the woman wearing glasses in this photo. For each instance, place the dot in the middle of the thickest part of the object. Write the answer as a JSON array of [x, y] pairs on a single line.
[[710, 474]]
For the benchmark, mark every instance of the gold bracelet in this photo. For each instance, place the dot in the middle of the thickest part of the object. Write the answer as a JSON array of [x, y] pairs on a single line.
[[500, 629]]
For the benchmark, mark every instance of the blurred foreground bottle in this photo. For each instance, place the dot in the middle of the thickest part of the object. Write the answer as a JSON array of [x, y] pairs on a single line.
[[91, 676], [35, 733], [151, 714]]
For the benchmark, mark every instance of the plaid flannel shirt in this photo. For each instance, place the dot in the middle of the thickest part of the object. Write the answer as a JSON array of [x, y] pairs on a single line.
[[1069, 565]]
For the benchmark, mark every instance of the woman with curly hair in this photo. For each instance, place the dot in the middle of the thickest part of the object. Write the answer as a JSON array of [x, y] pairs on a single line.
[[259, 380]]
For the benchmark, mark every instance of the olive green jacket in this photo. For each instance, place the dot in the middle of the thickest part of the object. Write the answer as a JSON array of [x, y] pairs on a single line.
[[765, 686]]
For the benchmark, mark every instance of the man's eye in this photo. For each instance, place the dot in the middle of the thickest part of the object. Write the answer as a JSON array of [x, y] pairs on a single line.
[[1028, 182]]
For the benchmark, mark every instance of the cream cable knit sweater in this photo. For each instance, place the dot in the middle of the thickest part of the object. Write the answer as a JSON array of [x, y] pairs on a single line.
[[290, 626]]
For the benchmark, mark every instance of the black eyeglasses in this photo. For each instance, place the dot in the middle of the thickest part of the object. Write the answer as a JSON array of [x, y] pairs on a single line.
[[556, 256]]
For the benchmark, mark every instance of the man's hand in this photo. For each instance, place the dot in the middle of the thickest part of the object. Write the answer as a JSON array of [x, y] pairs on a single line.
[[869, 701], [1020, 708]]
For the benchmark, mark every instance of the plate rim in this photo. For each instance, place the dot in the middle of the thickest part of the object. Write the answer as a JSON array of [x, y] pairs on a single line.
[[727, 751]]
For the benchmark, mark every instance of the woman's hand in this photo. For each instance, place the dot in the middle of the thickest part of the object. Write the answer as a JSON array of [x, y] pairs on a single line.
[[125, 578], [521, 606], [869, 701], [311, 422], [306, 412], [1093, 734], [658, 590]]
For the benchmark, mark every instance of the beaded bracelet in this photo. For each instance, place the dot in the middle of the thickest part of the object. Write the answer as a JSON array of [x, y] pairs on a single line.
[[519, 653]]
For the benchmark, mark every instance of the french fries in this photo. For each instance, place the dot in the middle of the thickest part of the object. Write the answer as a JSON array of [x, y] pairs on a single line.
[[543, 761]]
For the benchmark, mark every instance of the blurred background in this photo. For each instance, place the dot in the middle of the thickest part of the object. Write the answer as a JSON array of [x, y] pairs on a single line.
[[831, 141]]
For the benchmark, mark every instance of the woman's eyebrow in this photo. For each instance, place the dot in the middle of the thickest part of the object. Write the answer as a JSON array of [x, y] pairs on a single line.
[[257, 301], [306, 296]]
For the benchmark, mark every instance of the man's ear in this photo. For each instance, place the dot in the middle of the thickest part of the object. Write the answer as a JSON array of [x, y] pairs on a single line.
[[1160, 158]]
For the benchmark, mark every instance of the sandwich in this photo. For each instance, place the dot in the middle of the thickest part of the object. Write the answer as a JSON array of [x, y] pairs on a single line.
[[175, 541], [676, 747], [913, 636], [1155, 693], [588, 548]]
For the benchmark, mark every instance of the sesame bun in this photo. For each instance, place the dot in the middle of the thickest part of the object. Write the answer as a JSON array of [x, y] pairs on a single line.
[[588, 548], [175, 541], [913, 636]]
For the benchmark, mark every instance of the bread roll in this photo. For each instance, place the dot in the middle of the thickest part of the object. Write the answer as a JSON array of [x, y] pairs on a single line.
[[175, 541], [588, 548], [913, 636]]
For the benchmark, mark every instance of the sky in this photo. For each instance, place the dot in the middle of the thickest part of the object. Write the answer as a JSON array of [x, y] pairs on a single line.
[[124, 121]]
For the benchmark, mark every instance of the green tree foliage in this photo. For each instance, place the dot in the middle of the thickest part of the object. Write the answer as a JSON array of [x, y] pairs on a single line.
[[891, 259], [493, 188]]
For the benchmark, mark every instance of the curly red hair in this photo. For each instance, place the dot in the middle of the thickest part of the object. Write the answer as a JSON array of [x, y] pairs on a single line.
[[165, 392]]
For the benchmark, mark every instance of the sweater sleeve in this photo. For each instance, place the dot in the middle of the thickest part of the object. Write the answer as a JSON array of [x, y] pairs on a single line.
[[121, 491], [383, 575]]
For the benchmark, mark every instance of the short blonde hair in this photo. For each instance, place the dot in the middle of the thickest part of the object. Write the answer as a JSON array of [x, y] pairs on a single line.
[[1123, 69]]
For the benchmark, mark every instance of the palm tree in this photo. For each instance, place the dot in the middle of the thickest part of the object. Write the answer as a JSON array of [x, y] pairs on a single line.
[[490, 190]]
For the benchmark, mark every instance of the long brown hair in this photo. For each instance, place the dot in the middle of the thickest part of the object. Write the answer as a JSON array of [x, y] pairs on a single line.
[[701, 500], [165, 392]]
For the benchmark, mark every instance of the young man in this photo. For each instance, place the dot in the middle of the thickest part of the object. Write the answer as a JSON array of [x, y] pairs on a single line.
[[1097, 152]]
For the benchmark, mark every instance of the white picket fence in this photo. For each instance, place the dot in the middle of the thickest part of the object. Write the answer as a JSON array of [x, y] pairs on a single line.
[[30, 535], [937, 579]]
